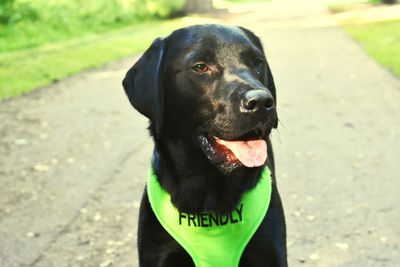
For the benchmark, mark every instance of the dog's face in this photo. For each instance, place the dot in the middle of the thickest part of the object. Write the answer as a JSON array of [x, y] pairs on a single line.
[[209, 86]]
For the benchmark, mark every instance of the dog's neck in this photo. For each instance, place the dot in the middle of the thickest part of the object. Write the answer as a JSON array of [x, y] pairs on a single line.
[[195, 185]]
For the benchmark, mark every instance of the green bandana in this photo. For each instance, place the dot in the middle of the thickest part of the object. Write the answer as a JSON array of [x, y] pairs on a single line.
[[213, 240]]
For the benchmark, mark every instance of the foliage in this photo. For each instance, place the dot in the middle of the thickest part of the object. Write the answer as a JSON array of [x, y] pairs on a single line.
[[12, 12], [382, 1], [28, 23], [381, 40]]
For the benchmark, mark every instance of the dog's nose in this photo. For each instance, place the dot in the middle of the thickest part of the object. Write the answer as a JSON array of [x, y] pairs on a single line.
[[256, 100]]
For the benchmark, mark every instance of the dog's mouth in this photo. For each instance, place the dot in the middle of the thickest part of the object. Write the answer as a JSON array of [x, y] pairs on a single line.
[[249, 149]]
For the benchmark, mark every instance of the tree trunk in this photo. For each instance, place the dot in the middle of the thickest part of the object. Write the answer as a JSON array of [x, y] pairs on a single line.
[[198, 6]]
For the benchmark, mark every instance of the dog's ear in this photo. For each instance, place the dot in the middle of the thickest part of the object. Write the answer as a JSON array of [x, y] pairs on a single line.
[[143, 84], [268, 79]]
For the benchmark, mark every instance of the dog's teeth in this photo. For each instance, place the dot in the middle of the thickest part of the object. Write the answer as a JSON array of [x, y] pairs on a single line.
[[207, 148]]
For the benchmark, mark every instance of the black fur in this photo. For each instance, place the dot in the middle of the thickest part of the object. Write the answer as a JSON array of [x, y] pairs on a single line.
[[183, 104]]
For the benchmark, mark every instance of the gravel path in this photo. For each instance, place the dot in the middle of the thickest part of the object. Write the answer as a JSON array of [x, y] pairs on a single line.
[[74, 156]]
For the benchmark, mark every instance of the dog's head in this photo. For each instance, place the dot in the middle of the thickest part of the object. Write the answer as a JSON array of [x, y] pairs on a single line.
[[210, 86]]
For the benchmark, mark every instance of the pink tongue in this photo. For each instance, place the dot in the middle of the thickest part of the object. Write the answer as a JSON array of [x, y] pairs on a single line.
[[251, 153]]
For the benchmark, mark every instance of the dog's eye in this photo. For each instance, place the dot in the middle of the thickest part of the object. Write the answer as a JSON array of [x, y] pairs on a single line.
[[257, 62], [201, 68]]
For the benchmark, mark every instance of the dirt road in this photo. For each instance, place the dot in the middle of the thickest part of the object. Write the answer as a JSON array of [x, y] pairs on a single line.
[[74, 156]]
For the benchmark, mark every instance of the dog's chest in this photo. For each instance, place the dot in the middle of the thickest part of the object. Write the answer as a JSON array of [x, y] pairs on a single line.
[[211, 239]]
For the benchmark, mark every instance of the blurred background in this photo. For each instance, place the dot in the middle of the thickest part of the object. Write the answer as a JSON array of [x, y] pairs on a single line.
[[74, 154]]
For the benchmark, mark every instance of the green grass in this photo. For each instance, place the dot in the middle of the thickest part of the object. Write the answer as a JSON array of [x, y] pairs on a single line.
[[24, 70], [29, 23], [381, 40], [42, 41]]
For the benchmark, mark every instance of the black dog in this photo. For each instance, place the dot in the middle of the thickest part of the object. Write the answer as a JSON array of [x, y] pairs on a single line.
[[203, 88]]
